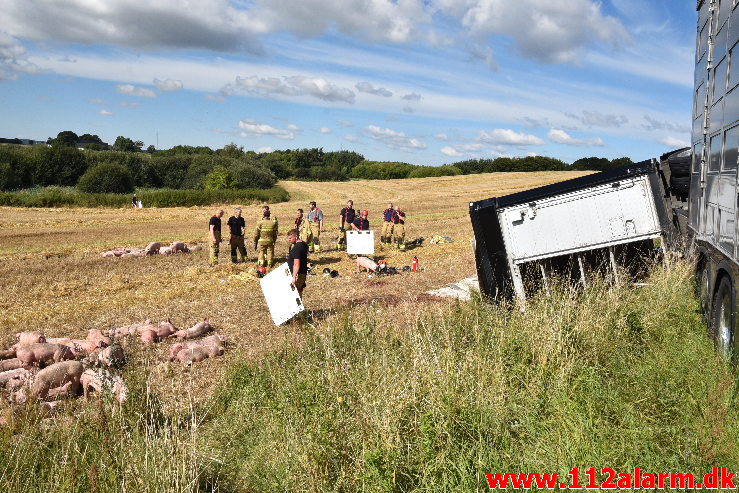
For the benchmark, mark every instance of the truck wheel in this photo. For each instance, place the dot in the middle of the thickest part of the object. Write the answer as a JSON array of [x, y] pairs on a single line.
[[701, 289], [722, 318]]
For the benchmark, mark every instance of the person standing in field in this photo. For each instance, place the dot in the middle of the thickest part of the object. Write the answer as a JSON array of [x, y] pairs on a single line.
[[315, 227], [300, 223], [387, 224], [236, 226], [297, 261], [346, 218], [361, 223], [399, 228], [265, 236], [214, 236]]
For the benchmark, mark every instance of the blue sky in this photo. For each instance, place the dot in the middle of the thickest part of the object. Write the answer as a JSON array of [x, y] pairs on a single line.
[[419, 81]]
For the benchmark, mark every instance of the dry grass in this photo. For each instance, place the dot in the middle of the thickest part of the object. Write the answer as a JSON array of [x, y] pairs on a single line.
[[54, 279]]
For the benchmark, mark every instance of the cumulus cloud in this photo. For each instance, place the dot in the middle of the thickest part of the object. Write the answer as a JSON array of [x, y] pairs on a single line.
[[251, 128], [552, 31], [451, 152], [370, 89], [264, 150], [562, 137], [104, 113], [407, 109], [597, 119], [411, 97], [13, 58], [325, 130], [168, 85], [534, 123], [293, 127], [674, 143], [394, 139], [654, 125], [504, 136], [131, 90], [295, 85], [218, 25]]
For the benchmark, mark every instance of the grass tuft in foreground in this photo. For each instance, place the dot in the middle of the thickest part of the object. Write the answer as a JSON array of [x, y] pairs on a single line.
[[608, 377]]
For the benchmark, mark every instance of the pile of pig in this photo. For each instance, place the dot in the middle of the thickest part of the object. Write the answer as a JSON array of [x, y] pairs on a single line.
[[153, 248], [41, 369]]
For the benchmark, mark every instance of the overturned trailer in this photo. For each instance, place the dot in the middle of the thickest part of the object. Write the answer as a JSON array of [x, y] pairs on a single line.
[[567, 229]]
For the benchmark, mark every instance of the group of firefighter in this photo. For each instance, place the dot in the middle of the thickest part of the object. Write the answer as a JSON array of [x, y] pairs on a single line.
[[309, 226]]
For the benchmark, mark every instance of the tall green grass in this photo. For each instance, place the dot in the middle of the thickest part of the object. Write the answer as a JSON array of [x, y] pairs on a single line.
[[71, 197], [605, 377], [608, 377]]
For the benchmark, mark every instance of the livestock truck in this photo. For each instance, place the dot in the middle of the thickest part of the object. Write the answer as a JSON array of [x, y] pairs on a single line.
[[610, 221]]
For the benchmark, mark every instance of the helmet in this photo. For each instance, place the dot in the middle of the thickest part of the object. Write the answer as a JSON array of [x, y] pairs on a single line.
[[261, 271], [326, 271], [334, 273], [365, 212]]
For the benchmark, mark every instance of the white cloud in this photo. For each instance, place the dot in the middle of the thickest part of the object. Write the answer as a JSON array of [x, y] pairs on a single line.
[[394, 139], [451, 151], [562, 137], [216, 98], [294, 85], [552, 31], [370, 89], [674, 143], [264, 150], [168, 85], [598, 119], [104, 113], [444, 137], [13, 58], [131, 90], [250, 128], [293, 127], [653, 125], [506, 136], [325, 130]]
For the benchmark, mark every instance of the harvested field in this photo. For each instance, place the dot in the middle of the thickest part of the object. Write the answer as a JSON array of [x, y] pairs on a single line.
[[55, 281]]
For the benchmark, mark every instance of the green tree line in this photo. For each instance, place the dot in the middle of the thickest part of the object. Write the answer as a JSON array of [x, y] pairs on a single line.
[[124, 167]]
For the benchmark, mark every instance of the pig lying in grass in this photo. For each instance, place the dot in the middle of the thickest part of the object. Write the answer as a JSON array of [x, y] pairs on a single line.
[[101, 380], [366, 264], [197, 330], [109, 357], [216, 341], [42, 352], [80, 347], [196, 354], [14, 379], [7, 354], [165, 329], [10, 364], [28, 337], [59, 379], [131, 330], [97, 335]]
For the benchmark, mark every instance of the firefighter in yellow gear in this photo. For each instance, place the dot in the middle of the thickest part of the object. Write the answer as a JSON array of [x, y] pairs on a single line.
[[265, 236], [387, 224], [314, 228], [399, 228]]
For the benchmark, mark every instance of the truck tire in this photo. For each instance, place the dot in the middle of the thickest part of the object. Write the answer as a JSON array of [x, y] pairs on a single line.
[[680, 184], [680, 162], [723, 317], [701, 289]]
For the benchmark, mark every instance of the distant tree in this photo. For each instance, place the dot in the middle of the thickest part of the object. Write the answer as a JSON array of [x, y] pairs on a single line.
[[151, 149], [621, 161], [591, 163], [66, 138], [126, 145], [219, 179], [92, 146], [90, 138], [231, 150], [107, 178]]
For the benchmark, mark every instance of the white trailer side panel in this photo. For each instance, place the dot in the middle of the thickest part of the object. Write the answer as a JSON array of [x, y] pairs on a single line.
[[597, 217]]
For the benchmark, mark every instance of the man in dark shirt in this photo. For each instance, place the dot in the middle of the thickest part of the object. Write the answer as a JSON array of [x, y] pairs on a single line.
[[361, 223], [297, 260], [236, 226], [346, 218], [214, 236]]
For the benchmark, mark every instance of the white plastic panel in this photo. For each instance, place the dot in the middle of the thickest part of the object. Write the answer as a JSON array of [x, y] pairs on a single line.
[[600, 216], [283, 300], [360, 242]]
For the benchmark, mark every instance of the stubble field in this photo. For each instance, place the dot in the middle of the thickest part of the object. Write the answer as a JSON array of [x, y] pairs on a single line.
[[55, 281]]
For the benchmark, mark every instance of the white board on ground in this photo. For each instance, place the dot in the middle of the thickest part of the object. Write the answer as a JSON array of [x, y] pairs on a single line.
[[283, 300], [360, 242]]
